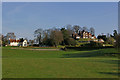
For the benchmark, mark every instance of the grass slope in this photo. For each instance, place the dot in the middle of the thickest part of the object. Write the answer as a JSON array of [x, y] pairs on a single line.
[[101, 63]]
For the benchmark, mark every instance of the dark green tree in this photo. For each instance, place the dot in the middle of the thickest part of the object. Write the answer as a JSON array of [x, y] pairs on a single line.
[[66, 36], [38, 33], [76, 28], [117, 43], [115, 33]]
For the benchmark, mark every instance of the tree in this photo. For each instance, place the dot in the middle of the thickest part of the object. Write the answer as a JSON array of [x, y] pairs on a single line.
[[85, 29], [108, 35], [4, 40], [10, 35], [117, 43], [115, 33], [38, 34], [72, 41], [31, 42], [102, 37], [45, 38], [56, 37], [76, 28], [66, 36], [111, 40], [92, 31], [69, 28], [80, 29], [21, 39], [95, 44]]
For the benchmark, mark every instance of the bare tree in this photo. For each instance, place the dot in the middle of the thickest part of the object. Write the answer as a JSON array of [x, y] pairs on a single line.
[[92, 31], [80, 29], [85, 29], [56, 37], [38, 34], [76, 28], [31, 42], [69, 28], [108, 35], [10, 35]]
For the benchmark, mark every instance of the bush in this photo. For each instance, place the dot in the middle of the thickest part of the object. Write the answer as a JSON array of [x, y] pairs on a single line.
[[72, 42], [117, 43], [65, 49], [110, 40], [93, 44], [96, 44]]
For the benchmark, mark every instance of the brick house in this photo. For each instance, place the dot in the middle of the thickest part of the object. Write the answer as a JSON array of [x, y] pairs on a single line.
[[14, 42], [75, 36], [83, 34]]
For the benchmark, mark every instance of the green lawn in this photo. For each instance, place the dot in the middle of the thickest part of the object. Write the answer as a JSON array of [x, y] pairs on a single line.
[[100, 63]]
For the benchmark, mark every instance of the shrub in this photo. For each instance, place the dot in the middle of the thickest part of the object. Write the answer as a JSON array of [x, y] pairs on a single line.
[[96, 44], [72, 42], [93, 44], [110, 40], [117, 43]]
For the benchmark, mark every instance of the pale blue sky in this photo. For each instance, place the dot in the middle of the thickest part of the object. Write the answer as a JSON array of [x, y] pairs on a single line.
[[25, 17]]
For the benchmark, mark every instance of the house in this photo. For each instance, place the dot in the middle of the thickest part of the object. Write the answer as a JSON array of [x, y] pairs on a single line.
[[25, 43], [15, 42], [83, 34], [75, 36]]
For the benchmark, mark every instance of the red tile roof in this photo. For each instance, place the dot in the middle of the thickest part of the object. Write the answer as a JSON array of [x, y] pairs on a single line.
[[13, 40]]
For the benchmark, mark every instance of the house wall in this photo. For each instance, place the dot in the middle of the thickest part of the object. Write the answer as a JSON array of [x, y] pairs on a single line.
[[77, 37], [14, 43], [24, 43], [83, 34]]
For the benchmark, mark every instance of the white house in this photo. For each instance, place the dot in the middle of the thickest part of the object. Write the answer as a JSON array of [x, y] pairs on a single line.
[[25, 43], [15, 42]]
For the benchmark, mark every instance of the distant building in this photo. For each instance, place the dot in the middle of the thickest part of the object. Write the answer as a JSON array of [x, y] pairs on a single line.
[[25, 43], [76, 36], [15, 42], [83, 34]]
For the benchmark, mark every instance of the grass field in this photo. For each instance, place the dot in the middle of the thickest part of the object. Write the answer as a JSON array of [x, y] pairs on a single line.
[[99, 63]]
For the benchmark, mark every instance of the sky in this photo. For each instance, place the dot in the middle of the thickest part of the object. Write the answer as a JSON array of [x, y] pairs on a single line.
[[23, 18], [0, 17]]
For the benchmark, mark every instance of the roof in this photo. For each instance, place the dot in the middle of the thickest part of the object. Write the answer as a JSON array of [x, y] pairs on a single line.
[[14, 40]]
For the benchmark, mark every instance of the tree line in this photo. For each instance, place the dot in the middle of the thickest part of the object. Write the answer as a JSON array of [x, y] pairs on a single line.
[[59, 36]]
